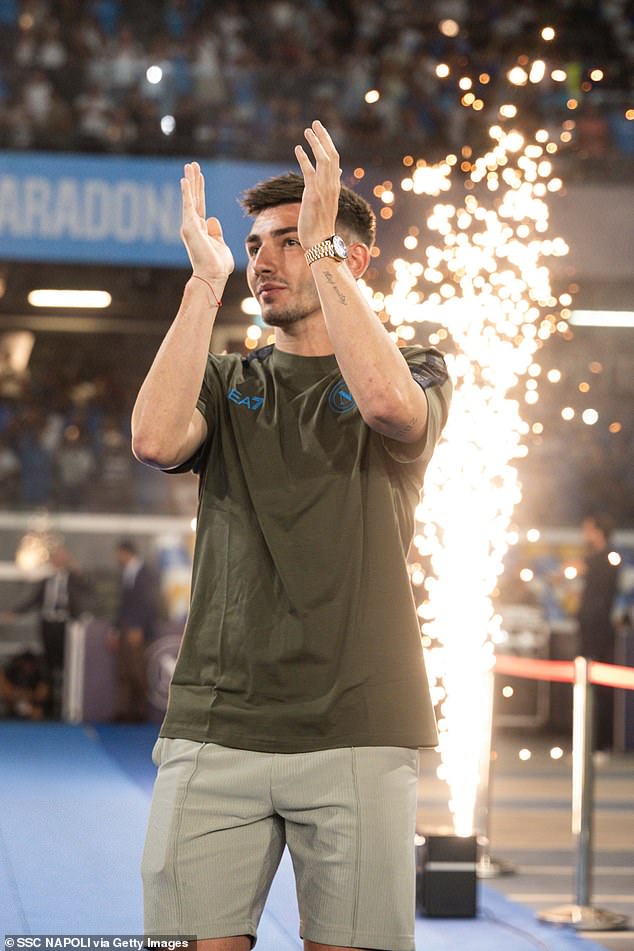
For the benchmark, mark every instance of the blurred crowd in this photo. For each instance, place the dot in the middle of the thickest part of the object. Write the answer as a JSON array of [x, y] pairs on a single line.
[[63, 446], [238, 78]]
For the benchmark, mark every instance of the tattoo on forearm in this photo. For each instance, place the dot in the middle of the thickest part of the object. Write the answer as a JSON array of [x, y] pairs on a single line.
[[330, 280], [408, 427]]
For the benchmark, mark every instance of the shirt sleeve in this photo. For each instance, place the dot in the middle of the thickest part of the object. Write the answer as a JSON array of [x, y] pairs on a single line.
[[429, 371], [207, 404]]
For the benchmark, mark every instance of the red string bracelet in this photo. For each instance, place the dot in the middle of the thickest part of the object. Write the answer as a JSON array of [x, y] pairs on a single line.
[[214, 295]]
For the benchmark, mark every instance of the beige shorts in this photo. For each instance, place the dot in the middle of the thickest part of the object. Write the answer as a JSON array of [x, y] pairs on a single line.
[[220, 820]]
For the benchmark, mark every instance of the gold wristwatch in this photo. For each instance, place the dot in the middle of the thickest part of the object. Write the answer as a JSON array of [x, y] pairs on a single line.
[[334, 247]]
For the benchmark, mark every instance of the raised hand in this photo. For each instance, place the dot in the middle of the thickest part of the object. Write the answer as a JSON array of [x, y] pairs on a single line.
[[322, 184], [209, 255]]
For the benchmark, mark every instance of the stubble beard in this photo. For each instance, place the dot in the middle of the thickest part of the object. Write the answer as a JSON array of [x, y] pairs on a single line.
[[290, 315], [284, 318]]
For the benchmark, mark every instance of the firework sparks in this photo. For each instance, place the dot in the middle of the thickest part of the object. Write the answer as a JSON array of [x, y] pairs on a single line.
[[485, 281]]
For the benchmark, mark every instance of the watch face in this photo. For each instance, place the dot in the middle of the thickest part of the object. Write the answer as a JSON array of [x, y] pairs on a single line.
[[339, 245]]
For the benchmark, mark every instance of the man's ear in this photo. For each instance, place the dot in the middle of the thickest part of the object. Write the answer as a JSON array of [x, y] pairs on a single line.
[[358, 258]]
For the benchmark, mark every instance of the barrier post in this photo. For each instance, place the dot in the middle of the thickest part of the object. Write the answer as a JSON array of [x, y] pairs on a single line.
[[74, 663], [582, 779], [487, 866], [582, 915]]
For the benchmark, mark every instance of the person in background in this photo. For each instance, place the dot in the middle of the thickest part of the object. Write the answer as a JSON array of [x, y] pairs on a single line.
[[114, 486], [24, 691], [75, 466], [10, 470], [133, 628], [59, 598], [594, 617]]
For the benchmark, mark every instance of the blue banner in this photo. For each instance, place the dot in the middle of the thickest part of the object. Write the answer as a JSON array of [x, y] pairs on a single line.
[[113, 210]]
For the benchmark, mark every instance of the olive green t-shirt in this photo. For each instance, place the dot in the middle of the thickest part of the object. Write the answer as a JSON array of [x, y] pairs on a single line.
[[302, 632]]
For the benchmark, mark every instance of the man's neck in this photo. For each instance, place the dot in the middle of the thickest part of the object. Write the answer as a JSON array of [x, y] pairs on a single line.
[[306, 338]]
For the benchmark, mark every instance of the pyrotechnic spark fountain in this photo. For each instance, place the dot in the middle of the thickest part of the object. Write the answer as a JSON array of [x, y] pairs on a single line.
[[490, 291]]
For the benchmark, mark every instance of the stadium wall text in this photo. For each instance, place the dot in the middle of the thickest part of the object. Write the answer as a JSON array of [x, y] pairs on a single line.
[[100, 209]]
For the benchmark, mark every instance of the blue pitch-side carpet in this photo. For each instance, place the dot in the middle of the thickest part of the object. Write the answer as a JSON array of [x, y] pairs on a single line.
[[73, 808]]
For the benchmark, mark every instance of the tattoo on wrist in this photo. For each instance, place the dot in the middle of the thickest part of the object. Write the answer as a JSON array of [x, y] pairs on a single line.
[[404, 430], [330, 280]]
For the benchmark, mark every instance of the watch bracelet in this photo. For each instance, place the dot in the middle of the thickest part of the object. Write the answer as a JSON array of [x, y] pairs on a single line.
[[323, 249]]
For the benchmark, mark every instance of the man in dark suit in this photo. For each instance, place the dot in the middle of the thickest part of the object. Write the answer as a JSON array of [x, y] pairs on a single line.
[[132, 630], [597, 636], [58, 599]]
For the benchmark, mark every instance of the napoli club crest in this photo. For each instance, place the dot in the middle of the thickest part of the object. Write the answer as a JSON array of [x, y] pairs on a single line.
[[340, 399]]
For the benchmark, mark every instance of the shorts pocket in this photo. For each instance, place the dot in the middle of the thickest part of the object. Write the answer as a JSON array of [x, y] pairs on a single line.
[[156, 752]]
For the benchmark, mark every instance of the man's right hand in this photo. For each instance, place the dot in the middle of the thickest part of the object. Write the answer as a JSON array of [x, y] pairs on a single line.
[[167, 426], [210, 257]]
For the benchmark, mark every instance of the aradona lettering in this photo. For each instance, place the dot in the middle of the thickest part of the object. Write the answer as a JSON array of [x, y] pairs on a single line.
[[88, 210]]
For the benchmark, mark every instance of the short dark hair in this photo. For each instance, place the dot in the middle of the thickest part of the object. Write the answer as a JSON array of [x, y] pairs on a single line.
[[126, 544], [354, 214]]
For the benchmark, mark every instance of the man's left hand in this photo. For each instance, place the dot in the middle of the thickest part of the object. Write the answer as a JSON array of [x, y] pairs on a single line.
[[320, 201]]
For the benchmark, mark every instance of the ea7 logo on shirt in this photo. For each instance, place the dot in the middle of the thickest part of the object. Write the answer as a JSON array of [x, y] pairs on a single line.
[[340, 399], [251, 402]]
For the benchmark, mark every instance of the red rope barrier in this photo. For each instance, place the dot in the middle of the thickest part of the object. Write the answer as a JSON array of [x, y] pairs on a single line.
[[563, 671], [534, 669], [611, 675]]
